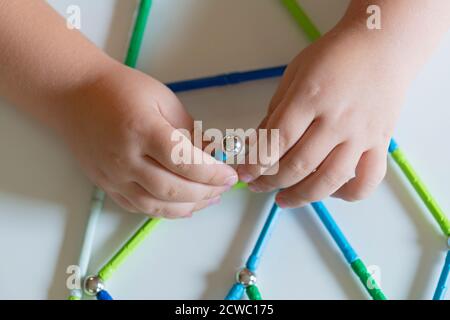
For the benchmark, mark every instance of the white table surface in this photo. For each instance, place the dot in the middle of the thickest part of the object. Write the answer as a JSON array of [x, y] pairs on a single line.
[[44, 196]]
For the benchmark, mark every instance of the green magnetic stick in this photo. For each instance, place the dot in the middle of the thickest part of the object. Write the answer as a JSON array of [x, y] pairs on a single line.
[[240, 185], [138, 33], [302, 19], [367, 280], [128, 248], [400, 159], [253, 293]]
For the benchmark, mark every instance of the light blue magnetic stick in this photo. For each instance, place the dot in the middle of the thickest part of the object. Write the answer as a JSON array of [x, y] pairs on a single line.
[[238, 290], [89, 234], [444, 279], [356, 264], [266, 232], [335, 232]]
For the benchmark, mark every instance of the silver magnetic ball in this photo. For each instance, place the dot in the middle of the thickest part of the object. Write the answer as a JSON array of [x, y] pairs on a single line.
[[232, 144], [93, 285], [246, 277]]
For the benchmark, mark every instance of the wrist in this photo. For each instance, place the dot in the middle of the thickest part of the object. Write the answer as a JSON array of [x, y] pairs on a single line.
[[405, 34], [385, 52], [66, 106]]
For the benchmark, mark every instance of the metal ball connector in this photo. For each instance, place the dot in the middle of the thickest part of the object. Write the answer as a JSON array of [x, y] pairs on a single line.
[[246, 277], [232, 144], [93, 285]]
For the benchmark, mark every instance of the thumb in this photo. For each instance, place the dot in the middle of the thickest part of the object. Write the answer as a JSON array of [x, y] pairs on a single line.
[[174, 111]]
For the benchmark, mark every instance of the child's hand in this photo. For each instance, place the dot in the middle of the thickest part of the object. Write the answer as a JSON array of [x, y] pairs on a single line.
[[120, 130], [336, 108]]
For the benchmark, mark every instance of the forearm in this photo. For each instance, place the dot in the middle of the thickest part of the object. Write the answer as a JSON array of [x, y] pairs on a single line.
[[410, 29], [42, 62]]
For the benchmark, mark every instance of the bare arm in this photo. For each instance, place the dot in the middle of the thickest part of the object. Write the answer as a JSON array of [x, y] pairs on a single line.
[[42, 61]]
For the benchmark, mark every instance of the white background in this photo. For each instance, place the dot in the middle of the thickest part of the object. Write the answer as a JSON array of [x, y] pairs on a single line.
[[44, 196]]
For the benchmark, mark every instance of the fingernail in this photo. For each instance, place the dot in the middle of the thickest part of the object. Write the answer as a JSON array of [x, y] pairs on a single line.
[[283, 202], [231, 181], [214, 201], [245, 177], [255, 188]]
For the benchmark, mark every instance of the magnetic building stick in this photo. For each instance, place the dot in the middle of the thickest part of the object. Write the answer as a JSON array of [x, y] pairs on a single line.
[[349, 253], [442, 286], [128, 248], [400, 159], [227, 79], [237, 290], [88, 240], [137, 35]]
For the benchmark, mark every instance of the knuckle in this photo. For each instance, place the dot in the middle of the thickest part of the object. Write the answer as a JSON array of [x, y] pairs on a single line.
[[118, 161], [268, 184], [311, 91], [170, 193], [146, 205], [211, 178], [181, 166], [334, 179], [298, 169], [285, 140], [210, 193], [157, 211]]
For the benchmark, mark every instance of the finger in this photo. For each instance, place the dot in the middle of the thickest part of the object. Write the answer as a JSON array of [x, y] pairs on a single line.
[[305, 157], [283, 87], [370, 172], [336, 170], [147, 204], [292, 118], [167, 186], [123, 202], [175, 152]]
